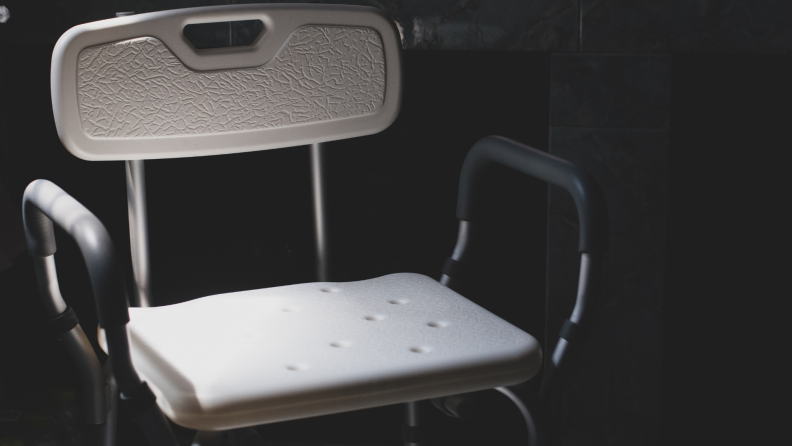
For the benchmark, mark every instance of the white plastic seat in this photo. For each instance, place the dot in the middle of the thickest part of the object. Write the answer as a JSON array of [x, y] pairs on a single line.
[[260, 356]]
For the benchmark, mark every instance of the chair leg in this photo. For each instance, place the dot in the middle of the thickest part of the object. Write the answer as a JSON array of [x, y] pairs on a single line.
[[110, 428], [247, 436], [207, 438], [534, 438], [414, 429]]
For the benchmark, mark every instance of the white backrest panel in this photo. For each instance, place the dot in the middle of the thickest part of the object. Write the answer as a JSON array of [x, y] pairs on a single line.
[[138, 88], [134, 87]]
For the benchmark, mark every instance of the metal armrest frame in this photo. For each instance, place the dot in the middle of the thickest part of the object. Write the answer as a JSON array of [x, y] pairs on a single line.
[[43, 204], [592, 215]]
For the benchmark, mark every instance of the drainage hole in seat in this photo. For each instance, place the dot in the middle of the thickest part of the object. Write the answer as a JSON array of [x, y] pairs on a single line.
[[421, 349], [297, 367], [340, 344], [398, 301], [374, 317], [331, 289], [438, 324]]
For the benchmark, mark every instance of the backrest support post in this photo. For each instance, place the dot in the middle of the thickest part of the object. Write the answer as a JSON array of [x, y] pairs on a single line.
[[138, 225], [320, 211], [138, 232]]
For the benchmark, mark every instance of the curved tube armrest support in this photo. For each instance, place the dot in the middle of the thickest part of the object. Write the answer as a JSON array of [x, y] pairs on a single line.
[[588, 197], [43, 204], [592, 215], [63, 322]]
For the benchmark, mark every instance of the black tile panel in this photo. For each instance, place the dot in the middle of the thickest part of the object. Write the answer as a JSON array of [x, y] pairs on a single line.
[[539, 25], [543, 25], [614, 396], [700, 26], [600, 90]]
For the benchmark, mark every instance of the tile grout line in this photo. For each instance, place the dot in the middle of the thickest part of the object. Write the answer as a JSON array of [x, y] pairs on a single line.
[[605, 128], [580, 26]]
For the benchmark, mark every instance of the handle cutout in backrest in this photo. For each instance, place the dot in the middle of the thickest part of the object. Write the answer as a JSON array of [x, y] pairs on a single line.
[[223, 34]]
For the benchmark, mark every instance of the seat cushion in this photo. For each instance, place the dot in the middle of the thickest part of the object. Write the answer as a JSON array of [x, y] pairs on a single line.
[[274, 354]]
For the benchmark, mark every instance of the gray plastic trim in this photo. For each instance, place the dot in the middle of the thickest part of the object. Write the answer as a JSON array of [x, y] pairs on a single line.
[[49, 290], [585, 285], [138, 232], [320, 211], [92, 382], [111, 392]]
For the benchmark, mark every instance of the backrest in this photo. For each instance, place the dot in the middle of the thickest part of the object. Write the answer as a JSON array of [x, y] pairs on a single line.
[[134, 87]]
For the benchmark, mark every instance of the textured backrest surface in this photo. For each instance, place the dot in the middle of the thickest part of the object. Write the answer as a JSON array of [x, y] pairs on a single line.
[[135, 88]]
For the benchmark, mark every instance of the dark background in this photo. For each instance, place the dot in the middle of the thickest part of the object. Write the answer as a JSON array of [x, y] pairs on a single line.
[[679, 109]]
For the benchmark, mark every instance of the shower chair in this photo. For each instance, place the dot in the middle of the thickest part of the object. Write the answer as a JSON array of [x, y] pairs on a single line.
[[134, 88]]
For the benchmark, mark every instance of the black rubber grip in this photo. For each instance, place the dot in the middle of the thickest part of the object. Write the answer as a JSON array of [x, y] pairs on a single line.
[[140, 401], [570, 331], [588, 197], [39, 231], [453, 269], [63, 322]]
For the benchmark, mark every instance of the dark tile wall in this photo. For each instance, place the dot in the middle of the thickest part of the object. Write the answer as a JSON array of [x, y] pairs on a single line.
[[544, 25], [699, 26], [727, 220], [614, 395], [603, 90], [596, 26], [34, 23], [610, 114], [517, 25]]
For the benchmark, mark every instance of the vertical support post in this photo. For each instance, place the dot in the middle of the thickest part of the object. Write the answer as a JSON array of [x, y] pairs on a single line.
[[111, 389], [138, 225], [92, 391], [231, 28], [138, 232], [414, 429], [320, 211]]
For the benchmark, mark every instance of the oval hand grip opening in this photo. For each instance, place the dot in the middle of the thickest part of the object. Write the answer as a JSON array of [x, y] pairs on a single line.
[[223, 34]]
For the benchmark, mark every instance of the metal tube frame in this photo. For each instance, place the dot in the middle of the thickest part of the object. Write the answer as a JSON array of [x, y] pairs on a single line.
[[592, 214], [318, 179], [415, 418], [530, 423], [90, 371], [43, 204], [138, 232], [95, 380], [589, 265], [111, 425]]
